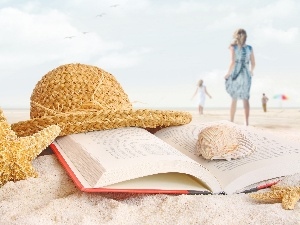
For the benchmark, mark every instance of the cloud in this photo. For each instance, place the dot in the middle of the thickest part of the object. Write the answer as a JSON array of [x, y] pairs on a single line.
[[187, 7], [262, 16], [33, 42], [33, 39], [122, 60], [277, 9], [270, 34], [161, 47]]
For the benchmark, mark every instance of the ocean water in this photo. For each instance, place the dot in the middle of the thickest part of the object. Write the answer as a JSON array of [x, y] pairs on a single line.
[[16, 115]]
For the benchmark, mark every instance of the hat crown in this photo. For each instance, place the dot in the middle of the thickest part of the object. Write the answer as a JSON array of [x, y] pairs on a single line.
[[77, 87]]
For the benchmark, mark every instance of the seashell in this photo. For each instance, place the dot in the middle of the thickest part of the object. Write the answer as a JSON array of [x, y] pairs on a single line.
[[223, 141]]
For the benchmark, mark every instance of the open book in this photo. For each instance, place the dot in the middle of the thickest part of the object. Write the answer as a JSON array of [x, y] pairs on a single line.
[[134, 160]]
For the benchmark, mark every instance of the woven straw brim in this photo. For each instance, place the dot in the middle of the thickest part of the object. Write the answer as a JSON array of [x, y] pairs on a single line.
[[84, 121]]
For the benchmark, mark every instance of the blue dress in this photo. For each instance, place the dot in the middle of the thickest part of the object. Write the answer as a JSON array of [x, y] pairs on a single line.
[[238, 83]]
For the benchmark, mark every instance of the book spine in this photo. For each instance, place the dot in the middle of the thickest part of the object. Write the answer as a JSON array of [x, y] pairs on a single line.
[[195, 192]]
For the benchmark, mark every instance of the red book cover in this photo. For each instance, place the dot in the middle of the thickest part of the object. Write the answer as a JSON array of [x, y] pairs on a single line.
[[81, 187]]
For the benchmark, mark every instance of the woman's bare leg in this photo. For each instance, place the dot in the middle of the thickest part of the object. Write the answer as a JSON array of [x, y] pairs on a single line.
[[200, 109], [247, 111], [233, 109]]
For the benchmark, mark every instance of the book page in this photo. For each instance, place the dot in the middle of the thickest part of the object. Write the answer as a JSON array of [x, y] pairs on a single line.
[[111, 156], [274, 157], [156, 183], [164, 181]]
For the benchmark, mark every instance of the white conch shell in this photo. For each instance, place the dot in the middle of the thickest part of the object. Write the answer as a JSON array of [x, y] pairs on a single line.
[[223, 141]]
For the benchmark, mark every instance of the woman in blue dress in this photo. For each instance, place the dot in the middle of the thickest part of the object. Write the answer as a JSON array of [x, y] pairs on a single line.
[[238, 78]]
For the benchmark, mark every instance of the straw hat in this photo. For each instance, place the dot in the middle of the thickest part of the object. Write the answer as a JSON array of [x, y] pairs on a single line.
[[81, 98]]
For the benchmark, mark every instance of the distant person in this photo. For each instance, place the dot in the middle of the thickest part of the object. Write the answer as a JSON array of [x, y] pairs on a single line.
[[202, 92], [264, 101], [239, 76]]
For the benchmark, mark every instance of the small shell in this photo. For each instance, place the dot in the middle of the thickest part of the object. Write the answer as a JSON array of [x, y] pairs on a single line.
[[223, 141]]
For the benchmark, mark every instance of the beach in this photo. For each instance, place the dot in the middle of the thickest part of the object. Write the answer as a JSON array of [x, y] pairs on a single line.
[[276, 120], [52, 197]]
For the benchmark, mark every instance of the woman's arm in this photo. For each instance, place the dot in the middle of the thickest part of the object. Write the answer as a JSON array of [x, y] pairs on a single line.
[[207, 92], [195, 93], [232, 62], [252, 61]]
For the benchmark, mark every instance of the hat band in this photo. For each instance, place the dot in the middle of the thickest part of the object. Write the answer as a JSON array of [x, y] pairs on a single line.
[[91, 106]]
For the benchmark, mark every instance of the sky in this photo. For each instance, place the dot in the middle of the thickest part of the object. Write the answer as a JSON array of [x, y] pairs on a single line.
[[156, 49]]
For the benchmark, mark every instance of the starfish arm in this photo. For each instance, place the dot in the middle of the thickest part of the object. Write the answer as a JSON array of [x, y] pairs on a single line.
[[2, 117], [35, 144], [8, 160], [290, 199], [286, 191], [4, 165], [270, 196], [16, 155], [5, 132]]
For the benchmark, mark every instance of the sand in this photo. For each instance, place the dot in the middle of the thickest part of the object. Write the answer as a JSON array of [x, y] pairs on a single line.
[[52, 198]]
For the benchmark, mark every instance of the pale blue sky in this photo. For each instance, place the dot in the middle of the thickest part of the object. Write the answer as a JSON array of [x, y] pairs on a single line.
[[156, 49]]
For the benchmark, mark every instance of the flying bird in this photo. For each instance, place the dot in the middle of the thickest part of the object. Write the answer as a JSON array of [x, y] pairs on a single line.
[[116, 5], [69, 37], [85, 32], [100, 15]]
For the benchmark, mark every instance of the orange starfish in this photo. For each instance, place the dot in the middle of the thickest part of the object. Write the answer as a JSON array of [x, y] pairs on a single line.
[[16, 153], [286, 191]]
